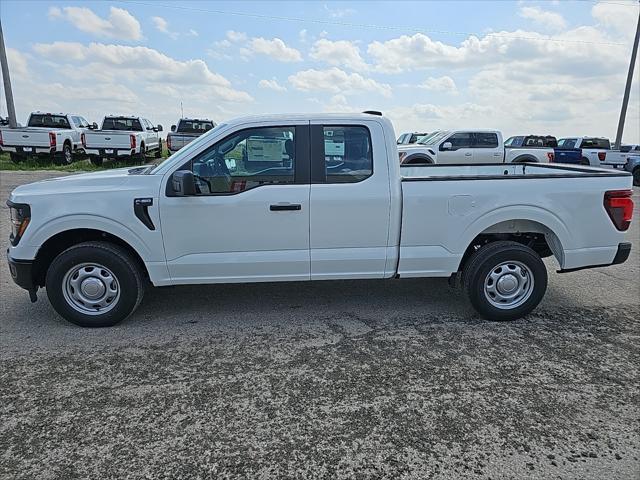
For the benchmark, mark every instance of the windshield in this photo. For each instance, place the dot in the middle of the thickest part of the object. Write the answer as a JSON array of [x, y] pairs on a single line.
[[122, 123], [48, 121], [194, 126], [433, 138], [186, 151]]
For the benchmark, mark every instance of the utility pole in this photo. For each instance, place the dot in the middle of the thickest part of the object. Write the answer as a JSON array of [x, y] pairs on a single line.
[[627, 90], [11, 109]]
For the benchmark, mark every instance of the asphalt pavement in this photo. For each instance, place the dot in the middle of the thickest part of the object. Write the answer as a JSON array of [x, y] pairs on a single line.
[[344, 379]]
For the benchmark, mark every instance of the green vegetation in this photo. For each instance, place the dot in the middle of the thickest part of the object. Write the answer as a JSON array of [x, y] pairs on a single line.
[[81, 165]]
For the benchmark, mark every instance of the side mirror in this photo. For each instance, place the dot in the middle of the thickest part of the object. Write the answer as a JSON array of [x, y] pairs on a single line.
[[93, 126], [159, 127], [447, 146], [173, 128], [184, 184]]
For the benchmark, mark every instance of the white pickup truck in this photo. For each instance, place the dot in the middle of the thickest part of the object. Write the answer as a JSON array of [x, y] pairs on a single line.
[[470, 146], [311, 197], [122, 136], [187, 130], [57, 135]]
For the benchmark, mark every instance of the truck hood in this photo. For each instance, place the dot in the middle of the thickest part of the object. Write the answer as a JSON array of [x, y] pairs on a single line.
[[109, 180]]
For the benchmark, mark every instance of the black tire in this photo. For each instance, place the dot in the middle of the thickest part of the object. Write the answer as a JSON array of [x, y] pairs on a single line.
[[95, 160], [636, 176], [585, 161], [418, 160], [159, 150], [525, 159], [16, 157], [142, 155], [66, 156], [124, 272], [498, 259]]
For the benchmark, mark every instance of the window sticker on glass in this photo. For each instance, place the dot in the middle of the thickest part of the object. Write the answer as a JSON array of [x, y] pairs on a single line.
[[264, 149]]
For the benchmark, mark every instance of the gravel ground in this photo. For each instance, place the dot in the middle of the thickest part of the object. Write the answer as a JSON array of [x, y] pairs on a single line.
[[371, 379]]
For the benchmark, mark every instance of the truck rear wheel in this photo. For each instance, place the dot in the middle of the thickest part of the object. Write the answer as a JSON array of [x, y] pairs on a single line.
[[159, 151], [505, 280], [636, 176], [95, 160], [66, 156], [142, 156], [94, 284]]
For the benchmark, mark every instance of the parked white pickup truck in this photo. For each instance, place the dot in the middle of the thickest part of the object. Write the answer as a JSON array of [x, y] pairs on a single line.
[[122, 136], [57, 135], [470, 146], [187, 130], [311, 197]]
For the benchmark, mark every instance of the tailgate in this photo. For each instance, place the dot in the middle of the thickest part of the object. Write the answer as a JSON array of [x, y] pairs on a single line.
[[107, 140], [567, 156], [25, 138]]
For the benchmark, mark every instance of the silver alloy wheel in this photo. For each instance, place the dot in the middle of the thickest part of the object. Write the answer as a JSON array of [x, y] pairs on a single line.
[[508, 285], [68, 158], [91, 289]]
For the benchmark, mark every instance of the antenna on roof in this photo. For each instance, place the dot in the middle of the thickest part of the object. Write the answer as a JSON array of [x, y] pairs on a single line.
[[181, 110]]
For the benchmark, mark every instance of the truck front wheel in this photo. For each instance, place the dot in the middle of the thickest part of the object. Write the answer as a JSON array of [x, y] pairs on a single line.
[[636, 176], [505, 280], [94, 284]]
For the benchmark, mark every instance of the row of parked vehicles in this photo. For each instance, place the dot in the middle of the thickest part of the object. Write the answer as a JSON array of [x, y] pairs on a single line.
[[65, 137], [487, 146]]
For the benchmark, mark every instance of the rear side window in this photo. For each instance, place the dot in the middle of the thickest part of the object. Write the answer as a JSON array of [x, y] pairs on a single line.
[[486, 140], [596, 143], [347, 154]]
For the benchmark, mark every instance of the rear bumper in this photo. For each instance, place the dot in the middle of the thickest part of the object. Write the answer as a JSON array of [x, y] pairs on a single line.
[[28, 150], [111, 152], [622, 254]]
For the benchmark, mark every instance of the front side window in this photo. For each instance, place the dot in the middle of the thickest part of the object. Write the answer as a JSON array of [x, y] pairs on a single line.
[[245, 160], [460, 140], [567, 143], [347, 154]]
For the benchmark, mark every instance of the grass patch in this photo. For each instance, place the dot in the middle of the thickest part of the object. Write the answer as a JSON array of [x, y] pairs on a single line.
[[82, 165]]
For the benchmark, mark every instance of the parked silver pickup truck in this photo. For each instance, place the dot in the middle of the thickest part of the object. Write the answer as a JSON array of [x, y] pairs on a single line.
[[187, 130]]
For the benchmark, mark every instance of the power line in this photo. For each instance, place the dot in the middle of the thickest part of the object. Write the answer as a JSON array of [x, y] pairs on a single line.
[[365, 25]]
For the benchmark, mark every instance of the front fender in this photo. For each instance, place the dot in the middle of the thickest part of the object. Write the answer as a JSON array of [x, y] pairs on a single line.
[[58, 225]]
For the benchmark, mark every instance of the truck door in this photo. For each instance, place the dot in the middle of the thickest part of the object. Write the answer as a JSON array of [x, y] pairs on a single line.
[[249, 219], [487, 148], [350, 200], [461, 150]]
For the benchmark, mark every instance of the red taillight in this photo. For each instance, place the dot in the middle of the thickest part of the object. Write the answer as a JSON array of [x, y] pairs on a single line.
[[619, 206], [551, 156], [83, 139], [168, 142], [132, 139], [602, 156], [52, 139], [1, 141]]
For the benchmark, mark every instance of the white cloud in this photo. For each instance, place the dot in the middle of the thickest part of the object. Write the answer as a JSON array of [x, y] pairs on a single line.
[[17, 64], [338, 53], [274, 48], [339, 12], [621, 16], [440, 84], [337, 81], [234, 36], [193, 33], [302, 35], [163, 26], [545, 18], [142, 64], [272, 85], [120, 24]]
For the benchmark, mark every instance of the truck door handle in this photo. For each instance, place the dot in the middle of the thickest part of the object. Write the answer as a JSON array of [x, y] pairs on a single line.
[[280, 207], [467, 154]]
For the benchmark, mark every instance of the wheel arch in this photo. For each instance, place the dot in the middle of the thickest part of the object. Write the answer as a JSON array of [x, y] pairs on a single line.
[[525, 158], [417, 156], [59, 242], [532, 226]]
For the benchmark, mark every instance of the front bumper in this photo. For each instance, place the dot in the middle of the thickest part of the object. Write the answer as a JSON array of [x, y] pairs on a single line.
[[622, 254], [22, 275]]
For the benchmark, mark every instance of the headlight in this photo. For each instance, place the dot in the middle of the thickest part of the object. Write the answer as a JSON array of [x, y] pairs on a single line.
[[20, 217]]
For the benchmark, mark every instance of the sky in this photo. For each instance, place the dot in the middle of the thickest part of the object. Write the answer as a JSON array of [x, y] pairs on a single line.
[[524, 67]]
